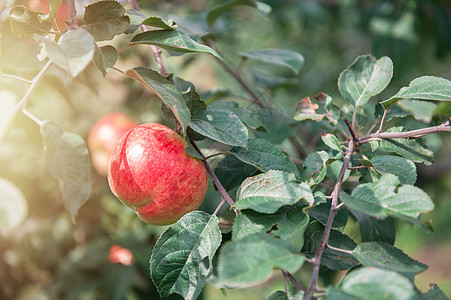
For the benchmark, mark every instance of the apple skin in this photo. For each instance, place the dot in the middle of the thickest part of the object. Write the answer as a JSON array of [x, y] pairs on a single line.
[[103, 137], [151, 173]]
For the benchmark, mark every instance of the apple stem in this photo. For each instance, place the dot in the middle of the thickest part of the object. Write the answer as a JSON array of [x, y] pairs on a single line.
[[219, 207], [215, 179]]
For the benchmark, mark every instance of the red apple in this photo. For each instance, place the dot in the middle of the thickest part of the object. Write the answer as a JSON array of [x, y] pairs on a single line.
[[151, 173], [103, 137]]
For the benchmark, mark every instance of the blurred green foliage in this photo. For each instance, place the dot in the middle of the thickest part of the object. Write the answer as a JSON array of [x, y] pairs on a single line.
[[48, 257]]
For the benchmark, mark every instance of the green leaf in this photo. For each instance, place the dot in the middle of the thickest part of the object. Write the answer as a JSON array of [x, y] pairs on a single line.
[[435, 293], [376, 230], [231, 172], [173, 40], [264, 156], [321, 213], [54, 5], [67, 160], [307, 110], [267, 192], [166, 91], [364, 78], [192, 98], [404, 169], [105, 19], [411, 149], [220, 125], [105, 57], [331, 141], [423, 88], [178, 262], [249, 261], [385, 256], [382, 198], [287, 60], [315, 168], [13, 207], [136, 17], [334, 293], [160, 23], [421, 110], [217, 11], [73, 52], [251, 119], [280, 295], [26, 23], [377, 284], [334, 260], [283, 223]]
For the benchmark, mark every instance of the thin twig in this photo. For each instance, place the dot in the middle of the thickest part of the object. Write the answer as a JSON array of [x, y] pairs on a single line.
[[72, 21], [219, 207], [293, 280], [217, 154], [338, 249], [383, 119], [333, 209], [15, 77], [215, 179], [255, 98], [444, 127], [155, 50], [351, 129]]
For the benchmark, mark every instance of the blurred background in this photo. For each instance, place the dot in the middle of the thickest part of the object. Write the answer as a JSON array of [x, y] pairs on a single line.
[[105, 254]]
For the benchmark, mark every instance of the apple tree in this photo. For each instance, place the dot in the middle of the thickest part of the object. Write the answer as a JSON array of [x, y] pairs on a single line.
[[305, 191]]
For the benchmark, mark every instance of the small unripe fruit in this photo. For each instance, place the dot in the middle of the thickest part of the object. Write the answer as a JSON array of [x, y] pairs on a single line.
[[150, 172], [103, 137]]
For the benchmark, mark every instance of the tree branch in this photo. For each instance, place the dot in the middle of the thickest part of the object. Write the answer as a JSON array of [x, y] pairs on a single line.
[[238, 78], [155, 50], [444, 127], [72, 21], [293, 280], [333, 209], [215, 179]]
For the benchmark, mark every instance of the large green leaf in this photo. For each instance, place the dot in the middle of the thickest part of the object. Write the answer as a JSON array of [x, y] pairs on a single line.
[[283, 223], [73, 52], [173, 40], [158, 22], [364, 78], [382, 198], [166, 91], [385, 256], [321, 213], [105, 57], [434, 293], [13, 207], [217, 11], [264, 156], [376, 230], [249, 261], [404, 169], [105, 19], [25, 22], [412, 149], [267, 192], [332, 259], [177, 264], [220, 125], [251, 119], [231, 171], [377, 284], [287, 60], [67, 160], [315, 168], [423, 88]]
